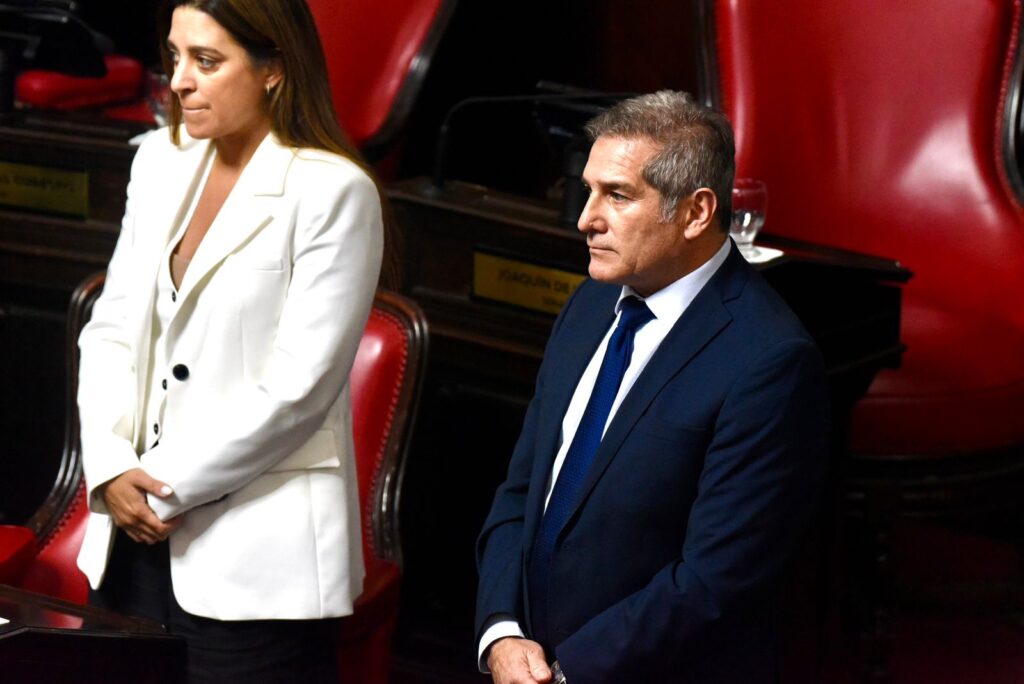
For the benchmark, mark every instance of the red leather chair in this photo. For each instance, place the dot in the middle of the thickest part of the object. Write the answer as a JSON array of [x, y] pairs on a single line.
[[59, 524], [386, 381], [52, 90], [892, 129], [377, 55], [889, 131], [385, 384]]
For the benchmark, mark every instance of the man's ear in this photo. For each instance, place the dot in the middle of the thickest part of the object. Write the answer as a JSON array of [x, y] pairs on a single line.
[[697, 212]]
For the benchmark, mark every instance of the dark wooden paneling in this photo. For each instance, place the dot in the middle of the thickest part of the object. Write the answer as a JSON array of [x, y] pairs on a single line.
[[42, 258]]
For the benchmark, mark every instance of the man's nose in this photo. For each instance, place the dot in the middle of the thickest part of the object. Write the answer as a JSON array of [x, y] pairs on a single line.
[[586, 216]]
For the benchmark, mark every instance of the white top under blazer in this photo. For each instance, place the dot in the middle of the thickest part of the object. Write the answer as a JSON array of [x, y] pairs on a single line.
[[255, 427]]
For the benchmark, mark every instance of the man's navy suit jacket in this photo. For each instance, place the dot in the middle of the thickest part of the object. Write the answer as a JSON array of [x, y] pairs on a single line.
[[669, 567]]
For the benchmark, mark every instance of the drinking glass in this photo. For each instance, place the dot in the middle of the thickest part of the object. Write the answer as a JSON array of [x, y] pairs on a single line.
[[749, 203]]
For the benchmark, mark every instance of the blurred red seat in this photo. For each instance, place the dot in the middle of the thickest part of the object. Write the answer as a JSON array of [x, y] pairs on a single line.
[[892, 131], [377, 55], [53, 90]]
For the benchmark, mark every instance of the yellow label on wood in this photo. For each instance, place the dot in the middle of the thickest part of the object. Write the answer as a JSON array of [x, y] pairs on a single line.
[[521, 283], [42, 188]]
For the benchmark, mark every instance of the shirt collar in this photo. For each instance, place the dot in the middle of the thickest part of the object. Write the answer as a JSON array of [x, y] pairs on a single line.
[[669, 303]]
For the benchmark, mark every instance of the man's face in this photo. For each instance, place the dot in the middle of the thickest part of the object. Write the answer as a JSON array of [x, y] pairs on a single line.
[[629, 244]]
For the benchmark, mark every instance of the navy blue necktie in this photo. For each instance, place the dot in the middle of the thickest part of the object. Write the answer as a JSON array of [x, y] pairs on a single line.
[[633, 315]]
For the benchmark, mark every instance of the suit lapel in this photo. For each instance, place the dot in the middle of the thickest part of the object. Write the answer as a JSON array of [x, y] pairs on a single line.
[[572, 352], [702, 321], [157, 221], [248, 207]]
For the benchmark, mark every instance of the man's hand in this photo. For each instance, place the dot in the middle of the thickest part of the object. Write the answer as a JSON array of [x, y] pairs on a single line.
[[125, 497], [518, 661]]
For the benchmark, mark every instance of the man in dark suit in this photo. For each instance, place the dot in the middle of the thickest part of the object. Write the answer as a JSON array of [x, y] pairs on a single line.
[[675, 446]]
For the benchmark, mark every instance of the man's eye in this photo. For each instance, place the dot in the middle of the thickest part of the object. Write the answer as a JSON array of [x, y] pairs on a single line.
[[617, 197]]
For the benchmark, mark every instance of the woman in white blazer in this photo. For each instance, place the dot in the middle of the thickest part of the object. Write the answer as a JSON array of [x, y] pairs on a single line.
[[214, 401]]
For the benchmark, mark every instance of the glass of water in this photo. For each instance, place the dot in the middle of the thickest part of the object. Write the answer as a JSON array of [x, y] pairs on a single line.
[[749, 202]]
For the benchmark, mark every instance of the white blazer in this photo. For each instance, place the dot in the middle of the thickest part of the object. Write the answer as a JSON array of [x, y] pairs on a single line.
[[256, 441]]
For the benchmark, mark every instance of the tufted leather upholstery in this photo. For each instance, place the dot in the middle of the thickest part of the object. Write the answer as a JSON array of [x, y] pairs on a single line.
[[385, 382], [883, 128], [54, 571], [377, 55]]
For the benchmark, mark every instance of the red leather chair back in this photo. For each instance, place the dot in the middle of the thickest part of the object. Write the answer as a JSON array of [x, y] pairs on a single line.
[[385, 383], [377, 54], [54, 570], [883, 128], [59, 524]]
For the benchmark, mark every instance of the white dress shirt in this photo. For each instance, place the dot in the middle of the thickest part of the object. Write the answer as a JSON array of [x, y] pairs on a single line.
[[667, 305]]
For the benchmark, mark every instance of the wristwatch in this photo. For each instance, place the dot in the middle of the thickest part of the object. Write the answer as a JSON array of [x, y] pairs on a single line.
[[556, 674]]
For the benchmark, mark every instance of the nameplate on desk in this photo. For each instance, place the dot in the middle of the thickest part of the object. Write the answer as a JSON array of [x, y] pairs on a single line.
[[539, 288], [44, 189]]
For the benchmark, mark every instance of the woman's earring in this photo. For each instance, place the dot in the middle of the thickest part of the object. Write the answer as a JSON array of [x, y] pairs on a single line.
[[268, 90]]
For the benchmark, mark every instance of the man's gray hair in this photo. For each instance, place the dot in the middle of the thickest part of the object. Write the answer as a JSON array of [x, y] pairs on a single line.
[[697, 147]]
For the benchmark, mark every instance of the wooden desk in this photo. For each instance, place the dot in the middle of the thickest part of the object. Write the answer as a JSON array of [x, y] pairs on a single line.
[[48, 640]]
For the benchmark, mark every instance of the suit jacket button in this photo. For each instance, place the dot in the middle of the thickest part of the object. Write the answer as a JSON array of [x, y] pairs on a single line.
[[180, 371], [156, 429], [163, 383], [174, 296]]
